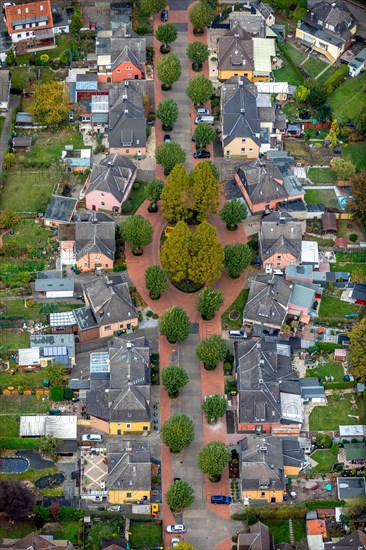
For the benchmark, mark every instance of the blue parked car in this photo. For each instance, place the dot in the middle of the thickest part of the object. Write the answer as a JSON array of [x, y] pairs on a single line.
[[220, 500]]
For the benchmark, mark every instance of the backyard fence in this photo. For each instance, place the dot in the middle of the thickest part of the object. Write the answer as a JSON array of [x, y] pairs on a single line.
[[318, 126], [13, 391]]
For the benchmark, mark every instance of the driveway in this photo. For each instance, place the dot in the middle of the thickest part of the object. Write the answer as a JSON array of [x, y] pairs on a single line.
[[4, 138]]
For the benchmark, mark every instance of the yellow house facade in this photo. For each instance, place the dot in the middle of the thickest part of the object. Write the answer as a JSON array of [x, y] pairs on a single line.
[[125, 497], [123, 428]]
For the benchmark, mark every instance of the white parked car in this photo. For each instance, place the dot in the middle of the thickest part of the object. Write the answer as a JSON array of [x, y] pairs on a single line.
[[175, 542], [176, 528]]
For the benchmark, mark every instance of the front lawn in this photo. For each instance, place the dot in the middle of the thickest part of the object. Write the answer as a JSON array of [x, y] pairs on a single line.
[[28, 190], [337, 412], [333, 308], [322, 175], [281, 531], [145, 535], [238, 307], [356, 153], [325, 458], [314, 66], [324, 370], [322, 196], [349, 98]]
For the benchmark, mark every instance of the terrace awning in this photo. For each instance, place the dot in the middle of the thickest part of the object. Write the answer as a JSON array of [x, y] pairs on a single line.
[[43, 34]]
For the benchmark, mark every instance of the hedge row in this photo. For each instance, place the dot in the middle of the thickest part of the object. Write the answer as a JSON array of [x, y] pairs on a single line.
[[328, 346], [340, 385], [335, 79], [19, 443]]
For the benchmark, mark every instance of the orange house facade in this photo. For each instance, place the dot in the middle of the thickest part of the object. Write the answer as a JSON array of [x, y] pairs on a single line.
[[280, 261], [123, 71]]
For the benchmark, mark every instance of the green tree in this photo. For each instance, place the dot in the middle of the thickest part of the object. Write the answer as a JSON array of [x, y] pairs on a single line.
[[212, 350], [197, 53], [57, 394], [153, 192], [54, 373], [237, 258], [360, 121], [209, 301], [177, 432], [169, 154], [301, 94], [137, 232], [234, 212], [205, 191], [333, 134], [357, 350], [175, 253], [214, 407], [10, 58], [204, 134], [175, 195], [151, 7], [317, 93], [168, 114], [166, 34], [50, 103], [200, 16], [44, 58], [207, 255], [213, 458], [179, 496], [357, 205], [10, 219], [156, 281], [200, 89], [169, 69], [174, 379], [345, 169], [175, 325], [48, 444], [48, 308], [76, 23]]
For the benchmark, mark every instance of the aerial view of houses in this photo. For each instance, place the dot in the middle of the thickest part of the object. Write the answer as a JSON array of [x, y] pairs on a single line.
[[183, 275]]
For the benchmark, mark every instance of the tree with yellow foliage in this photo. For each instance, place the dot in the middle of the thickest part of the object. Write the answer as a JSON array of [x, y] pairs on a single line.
[[175, 195], [50, 103], [205, 189], [175, 253], [207, 255]]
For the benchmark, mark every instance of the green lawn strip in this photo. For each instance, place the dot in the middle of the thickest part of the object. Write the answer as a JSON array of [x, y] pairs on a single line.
[[291, 110], [356, 153], [17, 307], [137, 196], [320, 241], [49, 146], [238, 305], [30, 475], [314, 66], [10, 426], [334, 308], [279, 529], [13, 339], [327, 369], [69, 531], [30, 233], [322, 175], [336, 413], [322, 196], [286, 74], [356, 270], [23, 404], [312, 134], [328, 73], [145, 535], [349, 98], [19, 443], [27, 380], [15, 530], [325, 459], [27, 190], [297, 55]]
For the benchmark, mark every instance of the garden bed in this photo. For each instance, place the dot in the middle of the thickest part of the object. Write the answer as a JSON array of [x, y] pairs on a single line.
[[227, 322]]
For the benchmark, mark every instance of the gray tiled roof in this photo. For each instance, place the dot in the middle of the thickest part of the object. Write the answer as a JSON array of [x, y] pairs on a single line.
[[235, 50], [60, 208], [124, 44], [267, 301], [332, 18], [263, 181], [110, 301], [114, 174], [129, 467], [94, 236], [280, 235]]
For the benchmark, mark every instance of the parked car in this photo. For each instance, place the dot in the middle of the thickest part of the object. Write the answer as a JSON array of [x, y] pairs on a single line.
[[150, 122], [277, 272], [202, 155], [315, 487], [203, 112], [164, 16], [175, 542], [167, 138], [220, 499], [176, 528]]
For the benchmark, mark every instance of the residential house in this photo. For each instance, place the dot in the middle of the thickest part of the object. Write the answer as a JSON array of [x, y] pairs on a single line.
[[264, 186], [129, 472], [329, 222], [89, 242], [109, 183], [354, 541], [33, 541], [81, 84], [253, 24], [358, 294], [49, 343], [265, 463], [267, 12], [269, 391], [329, 28], [126, 119], [76, 159], [303, 302], [59, 210], [258, 537], [267, 306], [120, 13], [316, 533], [357, 64], [249, 124], [310, 254], [240, 54], [51, 284], [5, 84], [121, 55], [312, 391], [119, 400], [99, 113], [109, 309], [280, 237]]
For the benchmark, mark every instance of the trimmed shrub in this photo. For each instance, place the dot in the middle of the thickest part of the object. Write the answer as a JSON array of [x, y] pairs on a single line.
[[57, 394], [353, 237]]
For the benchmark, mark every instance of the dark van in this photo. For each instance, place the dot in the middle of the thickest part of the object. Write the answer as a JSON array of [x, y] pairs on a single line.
[[220, 500]]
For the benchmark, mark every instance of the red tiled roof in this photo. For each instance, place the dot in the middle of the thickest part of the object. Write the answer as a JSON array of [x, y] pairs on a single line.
[[23, 12]]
